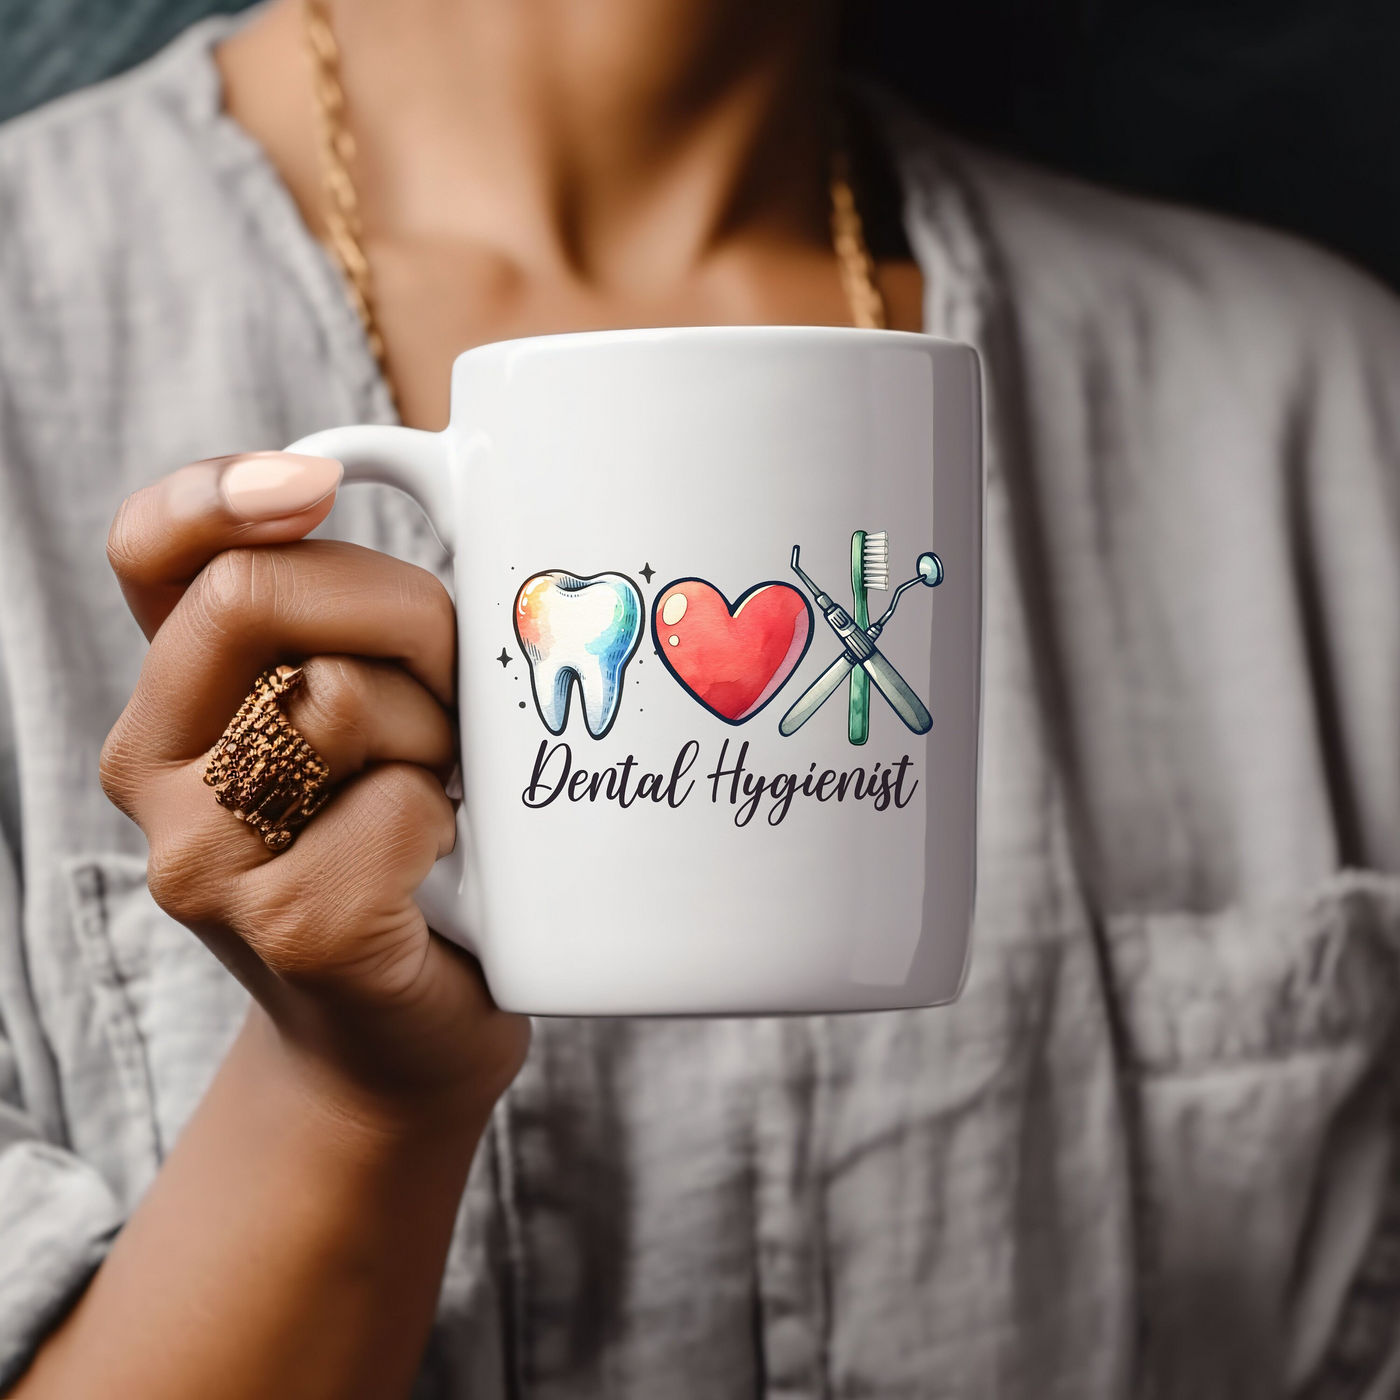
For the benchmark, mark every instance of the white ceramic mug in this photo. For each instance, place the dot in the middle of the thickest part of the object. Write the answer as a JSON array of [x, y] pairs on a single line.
[[665, 812]]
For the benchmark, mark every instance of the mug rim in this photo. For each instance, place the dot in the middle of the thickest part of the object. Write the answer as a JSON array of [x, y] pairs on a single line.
[[658, 335]]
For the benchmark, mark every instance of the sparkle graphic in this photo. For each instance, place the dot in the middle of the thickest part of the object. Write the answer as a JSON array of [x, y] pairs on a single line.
[[646, 572], [505, 658]]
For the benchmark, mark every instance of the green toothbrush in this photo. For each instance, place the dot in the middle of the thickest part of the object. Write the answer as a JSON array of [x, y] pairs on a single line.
[[870, 568]]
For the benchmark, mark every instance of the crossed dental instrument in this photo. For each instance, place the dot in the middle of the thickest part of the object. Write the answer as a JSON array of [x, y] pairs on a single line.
[[860, 650]]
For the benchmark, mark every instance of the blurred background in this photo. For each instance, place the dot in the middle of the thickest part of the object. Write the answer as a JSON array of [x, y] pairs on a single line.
[[1282, 111]]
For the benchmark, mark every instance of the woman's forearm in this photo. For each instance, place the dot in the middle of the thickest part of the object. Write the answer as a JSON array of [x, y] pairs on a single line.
[[292, 1245]]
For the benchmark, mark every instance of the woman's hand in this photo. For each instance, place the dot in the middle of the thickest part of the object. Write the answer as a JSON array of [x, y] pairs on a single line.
[[326, 935], [293, 1241]]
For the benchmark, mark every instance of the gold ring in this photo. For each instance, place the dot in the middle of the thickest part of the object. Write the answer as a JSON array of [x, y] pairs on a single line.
[[262, 770]]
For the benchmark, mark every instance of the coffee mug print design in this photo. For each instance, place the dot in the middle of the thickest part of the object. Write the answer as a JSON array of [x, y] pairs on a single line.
[[581, 630], [732, 659]]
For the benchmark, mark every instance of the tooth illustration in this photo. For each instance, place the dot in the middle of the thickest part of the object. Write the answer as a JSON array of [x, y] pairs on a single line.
[[574, 628]]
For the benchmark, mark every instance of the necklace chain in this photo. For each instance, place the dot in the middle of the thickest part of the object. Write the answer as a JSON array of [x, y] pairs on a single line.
[[852, 255], [340, 201]]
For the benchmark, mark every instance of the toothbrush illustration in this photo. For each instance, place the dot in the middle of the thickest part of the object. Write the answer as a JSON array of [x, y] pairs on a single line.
[[870, 568], [860, 652]]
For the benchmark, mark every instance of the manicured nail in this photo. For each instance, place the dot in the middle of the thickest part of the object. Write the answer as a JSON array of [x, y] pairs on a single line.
[[269, 485]]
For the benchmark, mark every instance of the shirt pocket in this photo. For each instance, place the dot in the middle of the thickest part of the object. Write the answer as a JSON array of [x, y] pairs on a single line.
[[1260, 1047], [162, 1014]]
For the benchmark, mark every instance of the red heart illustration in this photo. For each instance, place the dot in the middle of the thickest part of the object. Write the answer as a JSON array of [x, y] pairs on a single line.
[[733, 660]]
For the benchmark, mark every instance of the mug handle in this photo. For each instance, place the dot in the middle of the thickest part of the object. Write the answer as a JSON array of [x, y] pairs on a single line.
[[416, 463]]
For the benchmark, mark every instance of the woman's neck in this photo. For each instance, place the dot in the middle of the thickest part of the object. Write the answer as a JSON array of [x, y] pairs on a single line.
[[528, 166], [617, 141]]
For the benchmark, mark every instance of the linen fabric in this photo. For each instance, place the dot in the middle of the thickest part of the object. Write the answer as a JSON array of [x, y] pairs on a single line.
[[1151, 1151]]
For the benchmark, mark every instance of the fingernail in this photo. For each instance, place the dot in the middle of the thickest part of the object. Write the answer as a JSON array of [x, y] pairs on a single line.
[[269, 485]]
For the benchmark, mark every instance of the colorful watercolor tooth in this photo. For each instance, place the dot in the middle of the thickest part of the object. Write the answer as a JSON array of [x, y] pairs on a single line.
[[575, 628]]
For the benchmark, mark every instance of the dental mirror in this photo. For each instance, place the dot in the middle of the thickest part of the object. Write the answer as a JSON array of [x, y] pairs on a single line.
[[930, 574]]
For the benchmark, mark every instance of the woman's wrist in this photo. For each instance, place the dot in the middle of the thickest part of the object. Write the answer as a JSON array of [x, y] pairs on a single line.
[[363, 1113]]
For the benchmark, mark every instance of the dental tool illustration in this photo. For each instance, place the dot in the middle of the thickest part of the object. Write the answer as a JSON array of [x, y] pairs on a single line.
[[870, 568], [860, 651]]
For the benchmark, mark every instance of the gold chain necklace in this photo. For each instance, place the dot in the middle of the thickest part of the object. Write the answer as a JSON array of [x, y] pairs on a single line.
[[341, 202]]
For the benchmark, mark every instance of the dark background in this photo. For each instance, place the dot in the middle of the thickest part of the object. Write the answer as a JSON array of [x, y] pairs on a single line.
[[1283, 111]]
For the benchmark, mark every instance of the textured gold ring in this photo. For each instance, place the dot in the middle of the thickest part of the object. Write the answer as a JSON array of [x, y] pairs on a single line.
[[262, 770]]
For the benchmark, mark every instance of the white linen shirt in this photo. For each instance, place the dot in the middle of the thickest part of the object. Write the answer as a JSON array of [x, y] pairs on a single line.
[[1151, 1151]]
